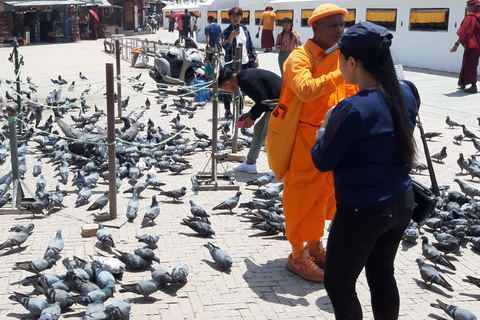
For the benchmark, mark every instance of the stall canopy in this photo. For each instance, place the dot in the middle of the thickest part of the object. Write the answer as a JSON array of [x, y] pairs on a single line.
[[98, 3], [228, 4], [39, 3]]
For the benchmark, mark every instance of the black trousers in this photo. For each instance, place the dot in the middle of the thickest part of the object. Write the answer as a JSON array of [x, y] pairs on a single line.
[[366, 238]]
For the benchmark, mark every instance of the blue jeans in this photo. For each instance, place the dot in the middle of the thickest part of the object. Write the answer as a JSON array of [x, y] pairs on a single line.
[[366, 238]]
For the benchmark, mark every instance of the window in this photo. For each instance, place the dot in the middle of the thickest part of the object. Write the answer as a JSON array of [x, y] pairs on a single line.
[[226, 19], [283, 14], [350, 18], [258, 16], [213, 13], [306, 14], [197, 14], [384, 17], [429, 19]]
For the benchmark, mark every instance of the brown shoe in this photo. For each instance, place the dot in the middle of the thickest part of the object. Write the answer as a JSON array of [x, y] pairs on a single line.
[[305, 267], [318, 256]]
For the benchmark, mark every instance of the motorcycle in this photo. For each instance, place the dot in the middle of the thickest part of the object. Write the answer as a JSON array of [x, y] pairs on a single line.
[[178, 65]]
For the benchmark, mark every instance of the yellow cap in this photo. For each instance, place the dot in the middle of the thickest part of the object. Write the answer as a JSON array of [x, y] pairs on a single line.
[[326, 10]]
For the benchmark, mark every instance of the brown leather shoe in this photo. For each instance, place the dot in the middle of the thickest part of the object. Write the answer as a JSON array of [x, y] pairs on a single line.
[[318, 256], [305, 267]]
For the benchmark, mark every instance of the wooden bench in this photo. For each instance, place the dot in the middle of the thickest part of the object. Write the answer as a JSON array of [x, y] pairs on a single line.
[[111, 36]]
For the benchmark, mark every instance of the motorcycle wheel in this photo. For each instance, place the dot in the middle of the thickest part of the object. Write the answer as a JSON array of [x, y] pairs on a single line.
[[190, 80]]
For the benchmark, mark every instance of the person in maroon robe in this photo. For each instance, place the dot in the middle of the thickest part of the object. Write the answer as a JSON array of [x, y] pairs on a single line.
[[94, 28], [469, 38]]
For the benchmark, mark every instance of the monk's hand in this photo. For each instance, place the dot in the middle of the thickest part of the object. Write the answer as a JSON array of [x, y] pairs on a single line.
[[256, 62], [454, 48]]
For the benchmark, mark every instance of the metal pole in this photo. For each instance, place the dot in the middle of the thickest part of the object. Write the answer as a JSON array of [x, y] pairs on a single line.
[[17, 79], [236, 95], [214, 121], [112, 185], [12, 120], [119, 85]]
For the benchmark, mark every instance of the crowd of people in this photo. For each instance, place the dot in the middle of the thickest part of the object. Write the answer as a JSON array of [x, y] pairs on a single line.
[[355, 175]]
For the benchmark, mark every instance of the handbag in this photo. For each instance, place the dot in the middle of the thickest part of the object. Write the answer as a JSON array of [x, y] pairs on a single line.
[[257, 35], [425, 199], [282, 130]]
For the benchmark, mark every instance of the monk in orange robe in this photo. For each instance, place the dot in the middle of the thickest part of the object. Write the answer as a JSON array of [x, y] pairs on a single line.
[[308, 195]]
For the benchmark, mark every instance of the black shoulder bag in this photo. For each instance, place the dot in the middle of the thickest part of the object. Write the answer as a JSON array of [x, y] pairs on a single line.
[[425, 199]]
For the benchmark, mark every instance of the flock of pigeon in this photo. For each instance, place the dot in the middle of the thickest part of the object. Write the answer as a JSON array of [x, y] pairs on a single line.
[[72, 141], [455, 223]]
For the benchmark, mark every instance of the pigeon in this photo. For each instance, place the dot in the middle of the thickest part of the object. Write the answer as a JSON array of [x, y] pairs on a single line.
[[125, 103], [95, 296], [261, 181], [462, 163], [145, 288], [430, 135], [150, 239], [34, 305], [468, 134], [439, 156], [100, 203], [270, 193], [476, 144], [430, 274], [202, 228], [37, 167], [17, 239], [197, 211], [35, 207], [221, 258], [20, 227], [82, 76], [135, 78], [72, 86], [147, 254], [451, 123], [54, 247], [134, 261], [180, 273], [35, 266], [120, 309], [411, 234], [103, 277], [178, 168], [132, 206], [432, 254], [52, 312], [473, 280], [458, 138], [83, 195], [161, 276], [418, 166], [456, 313], [140, 187], [199, 134], [467, 189], [104, 236], [175, 194], [152, 212], [229, 203], [60, 296]]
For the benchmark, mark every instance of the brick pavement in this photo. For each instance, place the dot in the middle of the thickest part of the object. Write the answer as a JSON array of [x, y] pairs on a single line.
[[258, 286]]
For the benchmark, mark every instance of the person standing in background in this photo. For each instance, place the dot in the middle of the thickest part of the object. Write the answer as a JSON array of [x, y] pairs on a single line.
[[180, 28], [268, 21], [213, 33], [186, 24], [287, 40], [469, 38], [171, 22], [193, 23]]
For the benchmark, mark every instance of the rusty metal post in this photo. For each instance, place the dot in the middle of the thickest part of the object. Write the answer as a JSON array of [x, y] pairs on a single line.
[[119, 85], [214, 121], [112, 185], [236, 96]]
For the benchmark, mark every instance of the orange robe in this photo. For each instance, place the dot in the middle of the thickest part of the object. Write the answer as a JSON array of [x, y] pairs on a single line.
[[308, 194]]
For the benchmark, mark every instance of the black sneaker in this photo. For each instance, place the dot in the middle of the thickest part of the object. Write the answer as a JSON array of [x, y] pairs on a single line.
[[472, 89]]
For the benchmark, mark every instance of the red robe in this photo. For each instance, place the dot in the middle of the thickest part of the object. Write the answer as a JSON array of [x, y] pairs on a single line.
[[469, 37]]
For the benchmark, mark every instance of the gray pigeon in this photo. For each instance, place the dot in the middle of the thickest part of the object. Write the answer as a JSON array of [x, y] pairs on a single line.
[[180, 273], [197, 211], [468, 134], [37, 167], [199, 134], [439, 156], [145, 288], [102, 276], [120, 309], [467, 189], [21, 227], [456, 313], [52, 312], [104, 236], [17, 239], [94, 296], [462, 163], [54, 247], [175, 194], [95, 311], [34, 305], [134, 261], [432, 254], [150, 239], [161, 276], [147, 254], [269, 193], [430, 274], [452, 123], [152, 212], [35, 266], [411, 234], [60, 296], [83, 195], [202, 228], [132, 206], [261, 181], [229, 203], [100, 203], [221, 258], [35, 207]]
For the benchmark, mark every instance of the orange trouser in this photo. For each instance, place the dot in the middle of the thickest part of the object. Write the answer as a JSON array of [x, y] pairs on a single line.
[[308, 194]]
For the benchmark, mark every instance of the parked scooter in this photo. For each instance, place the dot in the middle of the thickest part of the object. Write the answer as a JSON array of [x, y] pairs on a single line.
[[178, 65]]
